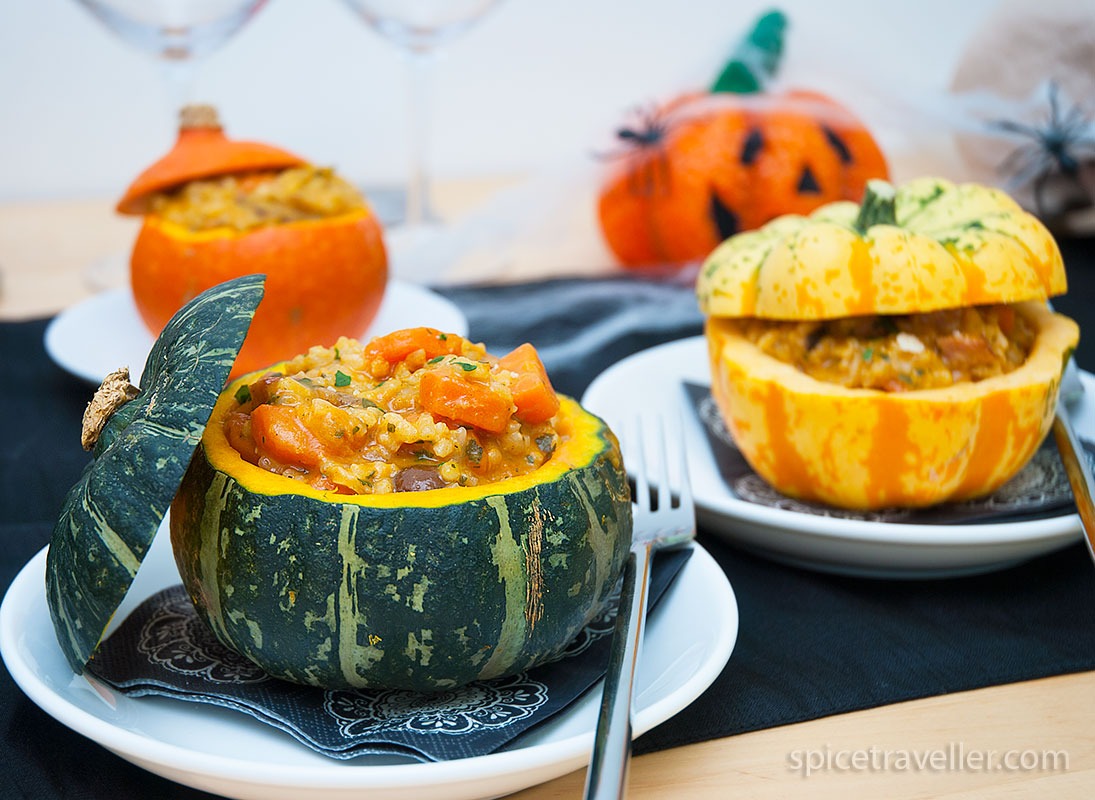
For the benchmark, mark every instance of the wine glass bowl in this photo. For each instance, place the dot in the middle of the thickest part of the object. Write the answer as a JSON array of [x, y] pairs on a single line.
[[173, 30], [420, 25], [178, 32]]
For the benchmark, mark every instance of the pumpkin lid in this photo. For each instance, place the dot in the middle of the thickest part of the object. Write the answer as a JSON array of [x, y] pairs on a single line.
[[927, 245], [202, 151], [143, 441]]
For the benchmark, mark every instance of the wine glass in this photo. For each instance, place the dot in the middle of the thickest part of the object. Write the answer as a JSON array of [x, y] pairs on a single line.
[[178, 32], [419, 28]]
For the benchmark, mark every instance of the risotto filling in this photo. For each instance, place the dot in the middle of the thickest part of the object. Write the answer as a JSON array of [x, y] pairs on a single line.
[[414, 410], [256, 199], [901, 353]]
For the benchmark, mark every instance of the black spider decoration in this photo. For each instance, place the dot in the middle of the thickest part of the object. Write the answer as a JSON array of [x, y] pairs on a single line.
[[647, 134], [1060, 146]]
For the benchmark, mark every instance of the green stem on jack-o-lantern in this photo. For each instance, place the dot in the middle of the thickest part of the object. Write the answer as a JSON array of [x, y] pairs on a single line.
[[756, 59], [878, 206]]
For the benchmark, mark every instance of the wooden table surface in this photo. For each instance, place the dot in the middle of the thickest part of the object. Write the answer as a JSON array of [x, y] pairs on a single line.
[[56, 253]]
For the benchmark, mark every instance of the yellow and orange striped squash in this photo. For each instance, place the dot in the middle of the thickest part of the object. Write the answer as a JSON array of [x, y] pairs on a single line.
[[945, 246]]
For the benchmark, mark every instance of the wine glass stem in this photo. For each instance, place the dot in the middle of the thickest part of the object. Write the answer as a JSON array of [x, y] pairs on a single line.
[[419, 104], [178, 75]]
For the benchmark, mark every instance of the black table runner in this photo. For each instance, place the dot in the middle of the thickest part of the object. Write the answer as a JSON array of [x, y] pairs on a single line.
[[810, 645]]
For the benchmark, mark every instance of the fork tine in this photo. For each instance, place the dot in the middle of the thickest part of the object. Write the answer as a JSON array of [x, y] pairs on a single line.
[[642, 478], [686, 501], [665, 492]]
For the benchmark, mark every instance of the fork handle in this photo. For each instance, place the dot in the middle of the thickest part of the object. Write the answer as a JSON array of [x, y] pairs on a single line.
[[608, 766]]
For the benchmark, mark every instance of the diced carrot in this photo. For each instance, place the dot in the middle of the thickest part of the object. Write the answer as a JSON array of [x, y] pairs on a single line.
[[533, 395], [237, 429], [397, 345], [446, 394], [281, 435], [534, 398], [339, 431]]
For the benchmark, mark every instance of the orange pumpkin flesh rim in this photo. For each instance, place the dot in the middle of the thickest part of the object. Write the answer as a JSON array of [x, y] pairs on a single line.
[[325, 278], [865, 449]]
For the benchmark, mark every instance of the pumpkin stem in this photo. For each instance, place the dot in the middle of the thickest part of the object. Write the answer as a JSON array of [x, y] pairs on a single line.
[[115, 392], [756, 59], [878, 207], [199, 115]]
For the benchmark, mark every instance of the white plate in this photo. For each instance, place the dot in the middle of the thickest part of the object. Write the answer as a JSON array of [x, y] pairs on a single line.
[[688, 642], [96, 336], [651, 381]]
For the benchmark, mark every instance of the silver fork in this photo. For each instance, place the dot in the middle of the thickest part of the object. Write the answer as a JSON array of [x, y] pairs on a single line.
[[658, 524]]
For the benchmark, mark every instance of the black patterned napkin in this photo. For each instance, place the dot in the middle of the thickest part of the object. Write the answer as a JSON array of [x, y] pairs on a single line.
[[164, 649], [1039, 490]]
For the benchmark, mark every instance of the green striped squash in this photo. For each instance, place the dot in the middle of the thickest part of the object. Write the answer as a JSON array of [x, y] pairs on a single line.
[[111, 514], [413, 590]]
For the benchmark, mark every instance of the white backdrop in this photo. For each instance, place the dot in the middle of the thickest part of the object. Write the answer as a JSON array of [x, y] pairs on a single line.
[[538, 85]]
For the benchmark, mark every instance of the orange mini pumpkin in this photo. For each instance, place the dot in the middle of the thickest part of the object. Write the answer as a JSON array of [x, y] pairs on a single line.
[[325, 274], [708, 165]]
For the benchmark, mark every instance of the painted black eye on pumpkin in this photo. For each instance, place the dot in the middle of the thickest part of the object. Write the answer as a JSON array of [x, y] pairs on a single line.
[[838, 145], [725, 220], [751, 148], [807, 183]]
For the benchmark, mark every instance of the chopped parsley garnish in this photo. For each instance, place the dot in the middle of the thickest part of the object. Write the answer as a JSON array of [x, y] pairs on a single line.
[[474, 452], [435, 359], [341, 378], [868, 352], [243, 394]]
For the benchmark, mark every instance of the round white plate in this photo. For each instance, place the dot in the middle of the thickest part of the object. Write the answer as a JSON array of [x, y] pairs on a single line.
[[688, 642], [651, 381], [96, 336]]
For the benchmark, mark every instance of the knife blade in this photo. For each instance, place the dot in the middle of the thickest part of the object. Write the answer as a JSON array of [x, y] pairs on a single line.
[[1079, 474]]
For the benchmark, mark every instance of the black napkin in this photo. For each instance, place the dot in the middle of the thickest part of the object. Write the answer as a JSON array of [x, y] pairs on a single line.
[[164, 649]]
